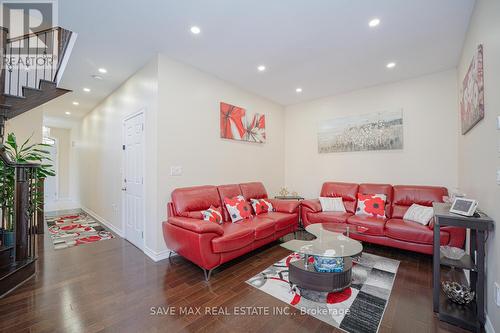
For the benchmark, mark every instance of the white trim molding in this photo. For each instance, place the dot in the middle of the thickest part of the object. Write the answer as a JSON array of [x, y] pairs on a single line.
[[156, 256], [488, 326], [106, 223]]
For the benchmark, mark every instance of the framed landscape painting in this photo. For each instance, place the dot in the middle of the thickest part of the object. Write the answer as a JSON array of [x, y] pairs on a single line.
[[238, 124], [472, 93], [375, 131]]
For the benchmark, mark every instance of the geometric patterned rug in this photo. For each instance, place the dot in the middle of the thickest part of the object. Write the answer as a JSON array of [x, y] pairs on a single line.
[[75, 229], [358, 309]]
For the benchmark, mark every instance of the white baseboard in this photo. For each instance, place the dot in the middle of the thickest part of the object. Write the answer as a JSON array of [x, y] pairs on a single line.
[[488, 326], [113, 228], [156, 256]]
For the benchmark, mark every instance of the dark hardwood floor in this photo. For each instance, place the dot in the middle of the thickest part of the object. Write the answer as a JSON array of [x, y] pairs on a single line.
[[112, 286]]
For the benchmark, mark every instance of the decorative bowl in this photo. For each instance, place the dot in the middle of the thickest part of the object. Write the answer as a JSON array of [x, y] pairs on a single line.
[[451, 252], [457, 292]]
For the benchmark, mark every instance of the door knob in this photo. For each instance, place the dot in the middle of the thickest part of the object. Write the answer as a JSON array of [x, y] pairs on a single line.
[[124, 188]]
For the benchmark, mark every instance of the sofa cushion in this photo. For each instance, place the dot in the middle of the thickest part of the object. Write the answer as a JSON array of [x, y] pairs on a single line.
[[420, 214], [212, 215], [413, 232], [255, 190], [379, 189], [371, 205], [328, 217], [375, 225], [191, 201], [263, 227], [407, 195], [347, 191], [227, 191], [332, 204], [238, 208], [236, 236], [261, 206], [282, 220]]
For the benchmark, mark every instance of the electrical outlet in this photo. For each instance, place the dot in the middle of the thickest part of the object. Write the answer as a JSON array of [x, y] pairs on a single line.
[[497, 294], [176, 170], [498, 177]]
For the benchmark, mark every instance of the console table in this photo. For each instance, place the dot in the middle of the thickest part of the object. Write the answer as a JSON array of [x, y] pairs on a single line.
[[470, 316]]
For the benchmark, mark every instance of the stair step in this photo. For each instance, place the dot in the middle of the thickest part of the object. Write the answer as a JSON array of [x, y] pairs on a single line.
[[46, 83], [14, 96], [5, 248], [28, 91], [5, 255], [15, 274]]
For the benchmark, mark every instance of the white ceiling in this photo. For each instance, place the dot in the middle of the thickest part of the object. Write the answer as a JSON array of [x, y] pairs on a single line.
[[323, 46]]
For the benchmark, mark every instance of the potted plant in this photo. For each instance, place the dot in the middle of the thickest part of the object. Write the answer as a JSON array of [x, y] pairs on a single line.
[[26, 153]]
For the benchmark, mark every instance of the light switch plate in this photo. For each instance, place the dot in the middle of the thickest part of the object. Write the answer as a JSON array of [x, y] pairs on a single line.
[[176, 170], [498, 177], [498, 122]]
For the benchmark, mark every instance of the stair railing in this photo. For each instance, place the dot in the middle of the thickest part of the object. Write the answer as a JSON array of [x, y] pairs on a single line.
[[18, 208], [42, 55]]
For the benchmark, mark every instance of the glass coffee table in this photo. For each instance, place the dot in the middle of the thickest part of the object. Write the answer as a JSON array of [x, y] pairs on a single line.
[[327, 262]]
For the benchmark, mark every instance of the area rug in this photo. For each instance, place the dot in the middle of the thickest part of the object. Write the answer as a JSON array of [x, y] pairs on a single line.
[[359, 308], [75, 229]]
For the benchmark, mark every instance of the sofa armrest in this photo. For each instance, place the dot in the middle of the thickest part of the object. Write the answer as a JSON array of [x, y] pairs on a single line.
[[312, 204], [285, 206], [457, 236], [197, 226]]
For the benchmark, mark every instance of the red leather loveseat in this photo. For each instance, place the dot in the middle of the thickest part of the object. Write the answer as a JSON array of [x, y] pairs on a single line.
[[208, 244], [392, 230]]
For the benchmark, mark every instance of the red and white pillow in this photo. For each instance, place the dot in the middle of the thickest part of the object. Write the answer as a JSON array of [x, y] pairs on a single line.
[[238, 208], [261, 206], [212, 215], [371, 204]]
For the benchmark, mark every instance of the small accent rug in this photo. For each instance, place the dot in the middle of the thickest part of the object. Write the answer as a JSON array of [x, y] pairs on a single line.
[[359, 308], [75, 229]]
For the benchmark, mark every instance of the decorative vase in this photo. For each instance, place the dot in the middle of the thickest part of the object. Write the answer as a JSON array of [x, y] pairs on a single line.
[[8, 238]]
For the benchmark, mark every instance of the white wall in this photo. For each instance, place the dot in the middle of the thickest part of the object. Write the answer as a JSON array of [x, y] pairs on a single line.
[[479, 156], [429, 156], [189, 135], [25, 125], [99, 151]]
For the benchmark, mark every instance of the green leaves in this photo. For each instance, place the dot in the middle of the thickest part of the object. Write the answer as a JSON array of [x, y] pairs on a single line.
[[26, 153]]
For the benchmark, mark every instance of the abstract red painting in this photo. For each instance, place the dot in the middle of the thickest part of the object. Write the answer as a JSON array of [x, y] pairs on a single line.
[[237, 124], [472, 93]]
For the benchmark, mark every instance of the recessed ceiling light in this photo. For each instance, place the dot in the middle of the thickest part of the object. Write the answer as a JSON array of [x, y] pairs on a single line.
[[97, 77], [103, 70], [391, 65], [195, 30], [76, 103], [299, 90], [374, 22], [67, 113], [86, 89], [261, 68]]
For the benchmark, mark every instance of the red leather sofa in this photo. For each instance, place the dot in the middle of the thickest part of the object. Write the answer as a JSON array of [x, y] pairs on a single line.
[[208, 244], [390, 231]]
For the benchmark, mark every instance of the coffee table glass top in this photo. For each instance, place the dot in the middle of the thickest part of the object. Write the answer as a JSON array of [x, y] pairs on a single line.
[[331, 241]]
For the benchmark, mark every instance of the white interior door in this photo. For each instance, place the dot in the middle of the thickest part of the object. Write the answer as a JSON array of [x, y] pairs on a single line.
[[133, 180], [50, 185]]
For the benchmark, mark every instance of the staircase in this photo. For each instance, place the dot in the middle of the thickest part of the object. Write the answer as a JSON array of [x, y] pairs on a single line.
[[31, 69]]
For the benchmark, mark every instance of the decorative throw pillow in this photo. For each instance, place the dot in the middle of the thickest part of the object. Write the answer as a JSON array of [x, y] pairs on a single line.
[[212, 215], [238, 208], [332, 204], [261, 206], [420, 214], [371, 204]]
